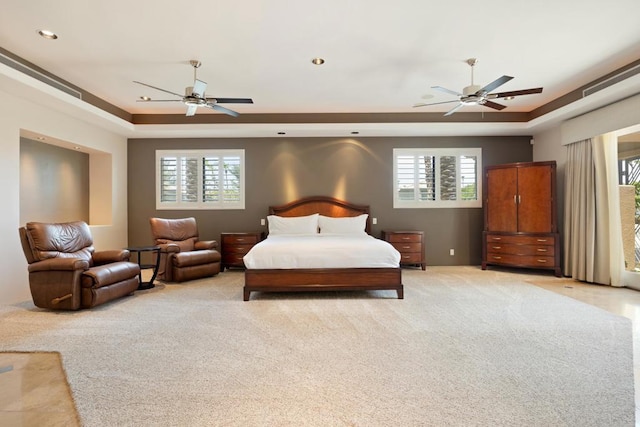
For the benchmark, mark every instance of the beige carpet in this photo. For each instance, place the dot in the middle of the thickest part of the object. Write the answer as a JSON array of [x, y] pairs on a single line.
[[465, 347]]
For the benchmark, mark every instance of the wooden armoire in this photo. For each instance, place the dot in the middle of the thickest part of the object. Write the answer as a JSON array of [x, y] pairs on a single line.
[[520, 222]]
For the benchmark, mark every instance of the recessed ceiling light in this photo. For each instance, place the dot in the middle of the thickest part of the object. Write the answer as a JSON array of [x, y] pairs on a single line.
[[281, 133], [40, 138], [355, 132], [317, 61], [508, 98], [145, 98], [48, 34]]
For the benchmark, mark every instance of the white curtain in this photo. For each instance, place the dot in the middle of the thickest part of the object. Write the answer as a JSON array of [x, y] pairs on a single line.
[[593, 232]]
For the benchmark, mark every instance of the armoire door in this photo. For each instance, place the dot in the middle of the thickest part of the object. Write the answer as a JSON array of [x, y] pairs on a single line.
[[502, 209], [534, 199]]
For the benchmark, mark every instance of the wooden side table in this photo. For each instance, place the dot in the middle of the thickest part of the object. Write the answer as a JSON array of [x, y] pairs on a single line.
[[410, 244], [138, 250], [236, 245]]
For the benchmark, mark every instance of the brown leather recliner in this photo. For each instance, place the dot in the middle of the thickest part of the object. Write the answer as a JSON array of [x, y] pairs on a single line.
[[182, 255], [65, 271]]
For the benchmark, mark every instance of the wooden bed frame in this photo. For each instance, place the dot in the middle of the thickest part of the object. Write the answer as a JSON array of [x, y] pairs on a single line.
[[322, 279]]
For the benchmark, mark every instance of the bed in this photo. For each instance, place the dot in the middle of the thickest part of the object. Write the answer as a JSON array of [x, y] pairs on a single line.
[[381, 276]]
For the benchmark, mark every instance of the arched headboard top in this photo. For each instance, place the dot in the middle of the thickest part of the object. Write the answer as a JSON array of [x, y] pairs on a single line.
[[323, 205]]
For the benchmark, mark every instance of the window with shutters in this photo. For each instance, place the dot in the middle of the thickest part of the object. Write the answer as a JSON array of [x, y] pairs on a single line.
[[437, 178], [200, 179]]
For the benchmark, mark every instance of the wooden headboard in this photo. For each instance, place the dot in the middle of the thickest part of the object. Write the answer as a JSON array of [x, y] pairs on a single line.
[[323, 205]]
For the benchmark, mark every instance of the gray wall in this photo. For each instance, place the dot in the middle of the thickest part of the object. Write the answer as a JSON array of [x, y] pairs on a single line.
[[54, 183], [279, 170]]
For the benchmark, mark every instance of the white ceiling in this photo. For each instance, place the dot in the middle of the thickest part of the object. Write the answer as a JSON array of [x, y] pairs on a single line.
[[381, 56]]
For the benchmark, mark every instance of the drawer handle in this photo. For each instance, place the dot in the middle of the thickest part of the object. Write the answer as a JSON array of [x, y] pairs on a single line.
[[406, 247], [542, 250], [406, 238], [406, 256], [542, 260], [542, 240], [496, 238], [239, 240], [497, 247], [497, 257]]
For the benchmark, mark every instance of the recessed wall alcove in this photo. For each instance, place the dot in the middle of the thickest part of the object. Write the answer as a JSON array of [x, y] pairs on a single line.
[[62, 181]]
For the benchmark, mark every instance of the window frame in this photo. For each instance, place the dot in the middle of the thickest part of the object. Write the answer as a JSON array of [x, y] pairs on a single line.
[[438, 153], [200, 204]]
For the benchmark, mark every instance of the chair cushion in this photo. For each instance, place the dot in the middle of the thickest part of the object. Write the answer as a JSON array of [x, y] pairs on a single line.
[[60, 240], [186, 259], [173, 229], [108, 274]]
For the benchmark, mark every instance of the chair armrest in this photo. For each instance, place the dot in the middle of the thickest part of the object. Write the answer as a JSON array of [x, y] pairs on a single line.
[[59, 264], [205, 244], [168, 247], [107, 257]]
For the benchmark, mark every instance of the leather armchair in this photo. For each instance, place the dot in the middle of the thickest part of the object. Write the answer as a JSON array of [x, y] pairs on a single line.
[[182, 255], [67, 273]]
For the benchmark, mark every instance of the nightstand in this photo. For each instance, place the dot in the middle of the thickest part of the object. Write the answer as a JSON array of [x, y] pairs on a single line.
[[236, 245], [410, 244]]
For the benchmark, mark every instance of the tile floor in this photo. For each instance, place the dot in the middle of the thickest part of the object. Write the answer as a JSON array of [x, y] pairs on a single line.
[[45, 399]]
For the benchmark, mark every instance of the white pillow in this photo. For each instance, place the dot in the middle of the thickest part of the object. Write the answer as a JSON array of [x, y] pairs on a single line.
[[345, 225], [293, 225]]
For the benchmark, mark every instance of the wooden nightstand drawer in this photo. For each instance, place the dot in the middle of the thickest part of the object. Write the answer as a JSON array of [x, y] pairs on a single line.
[[235, 246], [407, 247], [410, 244], [403, 237], [240, 239]]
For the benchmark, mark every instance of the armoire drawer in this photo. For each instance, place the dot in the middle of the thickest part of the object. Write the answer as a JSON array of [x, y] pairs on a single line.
[[520, 240], [513, 249]]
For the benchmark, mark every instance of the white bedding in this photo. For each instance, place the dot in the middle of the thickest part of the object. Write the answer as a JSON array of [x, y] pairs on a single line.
[[322, 251]]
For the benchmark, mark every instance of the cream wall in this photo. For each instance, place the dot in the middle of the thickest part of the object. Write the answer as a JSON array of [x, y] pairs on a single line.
[[18, 114]]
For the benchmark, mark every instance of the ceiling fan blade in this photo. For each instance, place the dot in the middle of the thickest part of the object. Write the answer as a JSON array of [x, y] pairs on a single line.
[[496, 83], [434, 103], [494, 105], [223, 110], [198, 88], [191, 110], [516, 93], [158, 100], [157, 88], [454, 109], [444, 89], [230, 100]]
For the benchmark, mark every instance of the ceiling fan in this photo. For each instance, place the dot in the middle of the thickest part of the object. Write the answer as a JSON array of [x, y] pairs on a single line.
[[194, 96], [476, 95]]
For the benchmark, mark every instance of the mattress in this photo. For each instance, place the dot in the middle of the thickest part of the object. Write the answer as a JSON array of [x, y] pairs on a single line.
[[322, 251]]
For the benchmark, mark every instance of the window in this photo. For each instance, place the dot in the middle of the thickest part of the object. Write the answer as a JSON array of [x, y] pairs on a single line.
[[437, 178], [200, 179]]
